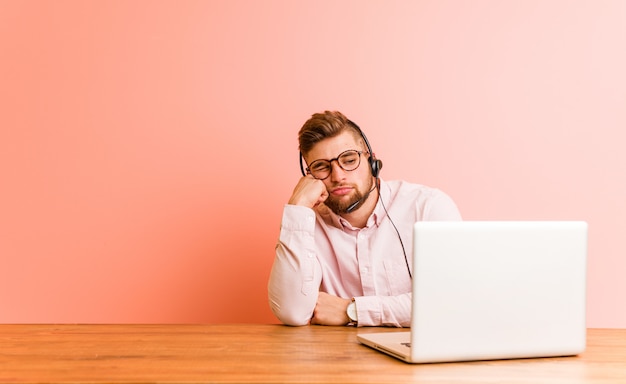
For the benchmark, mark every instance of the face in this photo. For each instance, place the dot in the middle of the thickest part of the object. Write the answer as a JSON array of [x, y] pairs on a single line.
[[344, 187]]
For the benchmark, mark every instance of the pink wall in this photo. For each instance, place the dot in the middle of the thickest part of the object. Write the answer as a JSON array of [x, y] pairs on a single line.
[[147, 147]]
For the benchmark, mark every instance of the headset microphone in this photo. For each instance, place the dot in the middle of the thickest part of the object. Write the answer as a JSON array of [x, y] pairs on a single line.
[[357, 203], [353, 206]]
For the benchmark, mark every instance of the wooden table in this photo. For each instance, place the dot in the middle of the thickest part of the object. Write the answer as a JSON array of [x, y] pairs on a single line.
[[267, 353]]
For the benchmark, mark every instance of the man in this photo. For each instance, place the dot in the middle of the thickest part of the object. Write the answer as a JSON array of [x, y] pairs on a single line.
[[345, 243]]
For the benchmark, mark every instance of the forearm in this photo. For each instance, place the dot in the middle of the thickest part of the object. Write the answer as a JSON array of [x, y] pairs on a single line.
[[296, 274], [292, 288]]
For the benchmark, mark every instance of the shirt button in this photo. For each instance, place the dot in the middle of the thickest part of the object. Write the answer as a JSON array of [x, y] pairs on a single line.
[[311, 255]]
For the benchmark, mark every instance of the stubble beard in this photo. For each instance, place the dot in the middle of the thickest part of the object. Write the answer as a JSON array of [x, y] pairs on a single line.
[[340, 206]]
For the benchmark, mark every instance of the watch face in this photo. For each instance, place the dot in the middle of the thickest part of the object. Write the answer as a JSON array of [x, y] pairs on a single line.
[[352, 311]]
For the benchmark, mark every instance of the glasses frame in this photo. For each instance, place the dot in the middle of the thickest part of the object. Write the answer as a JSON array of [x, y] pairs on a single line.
[[330, 164]]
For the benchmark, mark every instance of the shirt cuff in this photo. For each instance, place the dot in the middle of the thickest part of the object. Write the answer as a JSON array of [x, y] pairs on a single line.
[[368, 311]]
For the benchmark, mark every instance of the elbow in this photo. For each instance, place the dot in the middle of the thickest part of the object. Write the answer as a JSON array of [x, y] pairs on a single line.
[[289, 317], [294, 321]]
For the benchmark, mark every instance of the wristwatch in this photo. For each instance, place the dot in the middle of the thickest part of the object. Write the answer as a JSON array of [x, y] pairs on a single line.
[[351, 312]]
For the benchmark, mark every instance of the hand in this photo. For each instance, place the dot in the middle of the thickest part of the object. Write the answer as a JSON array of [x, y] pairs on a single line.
[[309, 192], [330, 310]]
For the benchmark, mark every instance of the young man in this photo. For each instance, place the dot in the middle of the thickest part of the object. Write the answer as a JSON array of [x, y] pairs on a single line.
[[345, 242]]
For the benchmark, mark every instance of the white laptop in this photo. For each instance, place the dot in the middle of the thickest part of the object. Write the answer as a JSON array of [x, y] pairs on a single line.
[[485, 290]]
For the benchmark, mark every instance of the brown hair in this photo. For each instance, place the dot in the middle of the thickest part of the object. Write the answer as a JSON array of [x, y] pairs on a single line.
[[323, 126]]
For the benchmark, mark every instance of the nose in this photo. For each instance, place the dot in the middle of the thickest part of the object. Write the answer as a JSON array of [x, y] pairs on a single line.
[[336, 172]]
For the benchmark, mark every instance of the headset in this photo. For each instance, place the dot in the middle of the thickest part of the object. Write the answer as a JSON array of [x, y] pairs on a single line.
[[375, 166]]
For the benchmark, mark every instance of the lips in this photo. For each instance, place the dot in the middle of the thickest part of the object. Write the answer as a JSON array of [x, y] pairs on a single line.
[[341, 190]]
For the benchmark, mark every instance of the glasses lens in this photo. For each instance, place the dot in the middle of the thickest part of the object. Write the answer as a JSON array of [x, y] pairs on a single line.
[[320, 169], [349, 160]]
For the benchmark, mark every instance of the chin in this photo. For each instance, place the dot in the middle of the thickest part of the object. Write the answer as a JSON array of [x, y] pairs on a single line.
[[340, 206]]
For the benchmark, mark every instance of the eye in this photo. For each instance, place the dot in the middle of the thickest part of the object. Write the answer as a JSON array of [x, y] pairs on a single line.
[[319, 166], [349, 158]]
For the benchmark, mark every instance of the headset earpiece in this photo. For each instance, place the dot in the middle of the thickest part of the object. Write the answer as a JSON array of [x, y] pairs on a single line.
[[375, 164]]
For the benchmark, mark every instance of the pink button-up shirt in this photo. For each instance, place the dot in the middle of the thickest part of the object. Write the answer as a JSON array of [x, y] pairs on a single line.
[[319, 251]]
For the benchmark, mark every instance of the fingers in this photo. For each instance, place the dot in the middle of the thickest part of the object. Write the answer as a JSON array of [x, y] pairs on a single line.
[[309, 192], [330, 310]]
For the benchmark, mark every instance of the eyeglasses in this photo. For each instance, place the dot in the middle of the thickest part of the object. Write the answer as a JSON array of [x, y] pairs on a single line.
[[348, 161]]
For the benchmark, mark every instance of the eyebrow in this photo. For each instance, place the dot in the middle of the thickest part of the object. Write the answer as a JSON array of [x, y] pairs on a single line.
[[337, 157]]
